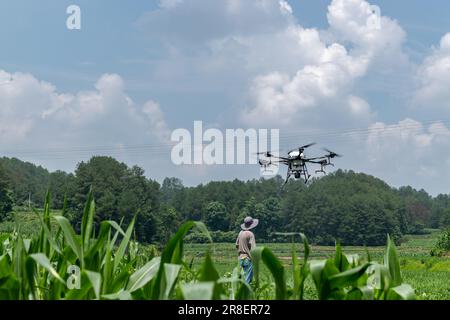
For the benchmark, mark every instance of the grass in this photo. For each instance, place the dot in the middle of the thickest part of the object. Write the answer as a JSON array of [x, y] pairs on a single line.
[[430, 276], [26, 220]]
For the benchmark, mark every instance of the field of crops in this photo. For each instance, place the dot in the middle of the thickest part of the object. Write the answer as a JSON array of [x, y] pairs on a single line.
[[429, 276], [40, 251]]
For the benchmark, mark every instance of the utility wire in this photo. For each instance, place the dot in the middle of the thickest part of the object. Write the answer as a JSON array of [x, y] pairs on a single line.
[[163, 148]]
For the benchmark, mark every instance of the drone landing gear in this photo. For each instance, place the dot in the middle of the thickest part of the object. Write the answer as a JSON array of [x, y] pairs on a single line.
[[306, 174], [287, 179], [298, 175]]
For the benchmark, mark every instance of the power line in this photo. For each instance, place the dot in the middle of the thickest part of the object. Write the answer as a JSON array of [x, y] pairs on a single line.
[[163, 148]]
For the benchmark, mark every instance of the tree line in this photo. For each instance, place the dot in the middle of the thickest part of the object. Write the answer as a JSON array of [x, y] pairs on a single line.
[[355, 208]]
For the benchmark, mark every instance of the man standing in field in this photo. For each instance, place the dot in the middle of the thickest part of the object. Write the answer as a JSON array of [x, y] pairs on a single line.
[[245, 242]]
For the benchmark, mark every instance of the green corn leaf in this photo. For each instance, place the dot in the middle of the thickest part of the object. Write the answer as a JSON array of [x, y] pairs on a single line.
[[43, 261], [340, 260], [392, 263], [18, 258], [378, 277], [295, 271], [96, 281], [100, 241], [10, 288], [316, 268], [244, 292], [347, 277], [87, 222], [144, 275], [47, 210], [171, 272], [208, 272], [5, 267], [237, 290], [275, 267], [198, 291], [47, 232], [172, 253], [30, 275], [116, 226], [321, 271], [107, 266], [305, 266], [401, 292], [114, 240], [360, 293], [119, 280], [70, 237], [124, 244], [121, 295], [27, 245]]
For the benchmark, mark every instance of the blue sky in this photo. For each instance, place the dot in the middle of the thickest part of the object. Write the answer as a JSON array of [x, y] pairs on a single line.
[[137, 70]]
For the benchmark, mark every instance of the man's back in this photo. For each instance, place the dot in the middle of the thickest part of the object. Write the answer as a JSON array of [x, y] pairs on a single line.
[[245, 242]]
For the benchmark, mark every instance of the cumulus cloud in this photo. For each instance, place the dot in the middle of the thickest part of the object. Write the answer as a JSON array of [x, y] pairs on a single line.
[[328, 77], [361, 23], [434, 78], [33, 110], [410, 151], [157, 120]]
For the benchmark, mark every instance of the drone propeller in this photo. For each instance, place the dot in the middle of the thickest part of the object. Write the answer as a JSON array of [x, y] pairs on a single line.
[[308, 145], [332, 154], [303, 147], [267, 154]]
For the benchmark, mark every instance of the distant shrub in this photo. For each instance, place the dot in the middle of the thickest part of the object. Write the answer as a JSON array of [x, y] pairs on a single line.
[[418, 228], [217, 236], [442, 246]]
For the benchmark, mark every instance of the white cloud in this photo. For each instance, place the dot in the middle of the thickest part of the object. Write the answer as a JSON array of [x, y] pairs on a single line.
[[328, 76], [157, 120], [410, 152], [434, 78], [355, 21], [33, 110], [285, 8]]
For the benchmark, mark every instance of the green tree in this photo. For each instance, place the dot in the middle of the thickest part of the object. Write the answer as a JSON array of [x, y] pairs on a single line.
[[215, 216], [121, 193], [168, 222], [61, 184], [26, 181], [445, 219], [5, 195]]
